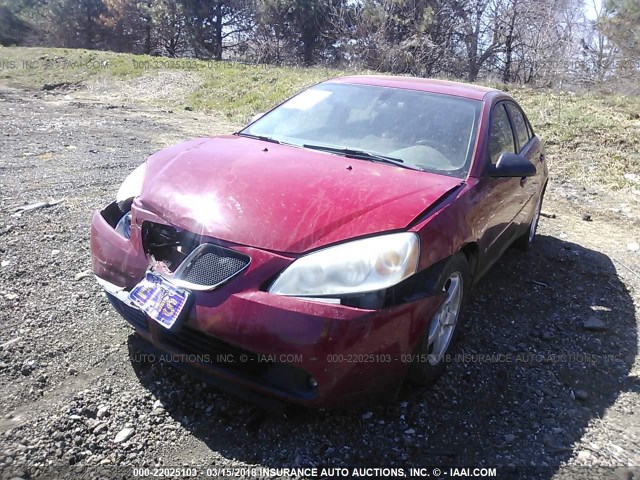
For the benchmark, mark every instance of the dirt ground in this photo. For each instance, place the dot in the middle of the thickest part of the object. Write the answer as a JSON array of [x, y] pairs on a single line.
[[529, 390]]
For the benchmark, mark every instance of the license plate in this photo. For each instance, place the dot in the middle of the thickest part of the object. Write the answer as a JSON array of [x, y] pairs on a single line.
[[159, 299]]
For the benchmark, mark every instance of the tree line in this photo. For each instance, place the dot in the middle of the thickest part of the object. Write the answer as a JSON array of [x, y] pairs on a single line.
[[542, 42]]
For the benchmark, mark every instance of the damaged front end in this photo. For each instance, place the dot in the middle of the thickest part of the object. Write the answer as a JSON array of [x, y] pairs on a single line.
[[241, 336]]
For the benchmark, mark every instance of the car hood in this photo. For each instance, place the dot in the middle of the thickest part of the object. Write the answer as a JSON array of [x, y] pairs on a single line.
[[282, 198]]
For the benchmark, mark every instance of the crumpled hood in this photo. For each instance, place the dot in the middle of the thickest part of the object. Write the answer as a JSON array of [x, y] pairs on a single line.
[[282, 198]]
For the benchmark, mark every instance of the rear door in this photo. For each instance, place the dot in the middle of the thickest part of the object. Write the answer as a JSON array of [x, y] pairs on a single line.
[[530, 148]]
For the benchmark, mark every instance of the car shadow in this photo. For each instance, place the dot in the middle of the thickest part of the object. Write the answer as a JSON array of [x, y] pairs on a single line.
[[521, 387]]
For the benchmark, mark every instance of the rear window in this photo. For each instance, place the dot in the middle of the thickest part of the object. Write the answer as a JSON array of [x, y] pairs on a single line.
[[519, 124]]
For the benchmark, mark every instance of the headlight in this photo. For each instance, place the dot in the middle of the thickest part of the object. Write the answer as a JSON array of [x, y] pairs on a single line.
[[124, 226], [132, 185], [355, 267]]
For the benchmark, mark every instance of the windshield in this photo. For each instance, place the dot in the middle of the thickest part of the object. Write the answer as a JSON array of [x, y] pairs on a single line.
[[424, 131]]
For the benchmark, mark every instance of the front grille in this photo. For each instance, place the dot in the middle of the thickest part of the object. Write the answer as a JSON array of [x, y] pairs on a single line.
[[214, 351], [192, 262], [210, 265]]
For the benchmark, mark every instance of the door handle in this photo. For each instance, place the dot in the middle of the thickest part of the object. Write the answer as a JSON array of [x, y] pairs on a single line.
[[542, 157], [523, 180]]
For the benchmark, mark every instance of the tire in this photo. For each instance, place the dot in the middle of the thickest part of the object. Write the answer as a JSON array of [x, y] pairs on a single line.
[[525, 241], [443, 329]]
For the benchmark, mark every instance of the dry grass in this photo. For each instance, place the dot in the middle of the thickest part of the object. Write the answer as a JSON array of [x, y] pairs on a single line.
[[591, 137]]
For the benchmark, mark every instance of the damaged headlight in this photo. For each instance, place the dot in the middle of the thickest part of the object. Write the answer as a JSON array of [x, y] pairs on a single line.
[[131, 187], [355, 267], [124, 226]]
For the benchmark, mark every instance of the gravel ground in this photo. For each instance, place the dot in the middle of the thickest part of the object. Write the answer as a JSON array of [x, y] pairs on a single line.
[[544, 382]]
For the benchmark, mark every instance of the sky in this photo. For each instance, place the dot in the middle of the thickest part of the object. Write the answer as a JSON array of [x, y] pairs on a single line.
[[590, 9]]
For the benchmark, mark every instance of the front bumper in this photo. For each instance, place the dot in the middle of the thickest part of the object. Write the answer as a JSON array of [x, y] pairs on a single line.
[[305, 352]]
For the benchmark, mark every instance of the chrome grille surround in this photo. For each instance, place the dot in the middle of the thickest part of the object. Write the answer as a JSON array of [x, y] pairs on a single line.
[[208, 267]]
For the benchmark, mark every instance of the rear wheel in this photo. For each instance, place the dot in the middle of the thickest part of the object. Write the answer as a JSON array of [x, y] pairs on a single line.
[[526, 240], [430, 356]]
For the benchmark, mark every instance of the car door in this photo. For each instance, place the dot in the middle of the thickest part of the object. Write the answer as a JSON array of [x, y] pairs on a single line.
[[530, 148], [499, 198]]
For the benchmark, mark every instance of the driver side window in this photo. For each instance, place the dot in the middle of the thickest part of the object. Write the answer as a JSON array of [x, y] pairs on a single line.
[[500, 134]]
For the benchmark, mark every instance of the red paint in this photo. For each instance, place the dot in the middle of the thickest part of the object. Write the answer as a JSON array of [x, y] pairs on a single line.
[[287, 199], [278, 204]]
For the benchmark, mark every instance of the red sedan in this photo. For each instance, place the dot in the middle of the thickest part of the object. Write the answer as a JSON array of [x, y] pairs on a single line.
[[322, 254]]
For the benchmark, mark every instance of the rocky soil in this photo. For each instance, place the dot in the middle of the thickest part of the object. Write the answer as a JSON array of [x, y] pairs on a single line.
[[544, 383]]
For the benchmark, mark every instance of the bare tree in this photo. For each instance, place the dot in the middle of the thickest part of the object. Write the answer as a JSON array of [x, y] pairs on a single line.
[[478, 34]]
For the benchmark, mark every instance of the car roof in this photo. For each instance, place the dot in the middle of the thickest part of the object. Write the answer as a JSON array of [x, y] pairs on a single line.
[[466, 90]]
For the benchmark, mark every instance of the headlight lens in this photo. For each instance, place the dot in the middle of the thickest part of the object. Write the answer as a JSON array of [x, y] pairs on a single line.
[[355, 267], [124, 226], [132, 185]]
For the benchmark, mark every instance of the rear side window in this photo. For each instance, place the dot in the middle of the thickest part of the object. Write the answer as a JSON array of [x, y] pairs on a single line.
[[519, 124], [500, 134], [530, 128]]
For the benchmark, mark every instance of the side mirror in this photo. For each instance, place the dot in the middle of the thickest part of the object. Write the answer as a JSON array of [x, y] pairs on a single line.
[[512, 165], [256, 117]]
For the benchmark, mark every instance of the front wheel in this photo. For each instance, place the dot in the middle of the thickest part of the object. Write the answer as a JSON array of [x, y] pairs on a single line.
[[443, 329]]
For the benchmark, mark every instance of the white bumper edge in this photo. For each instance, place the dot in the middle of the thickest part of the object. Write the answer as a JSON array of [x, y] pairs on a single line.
[[119, 292]]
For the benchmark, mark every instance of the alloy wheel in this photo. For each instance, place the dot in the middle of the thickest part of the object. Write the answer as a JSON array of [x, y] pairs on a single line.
[[444, 322]]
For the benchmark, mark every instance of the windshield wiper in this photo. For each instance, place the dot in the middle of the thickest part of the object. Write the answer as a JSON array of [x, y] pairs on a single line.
[[359, 154], [259, 137]]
